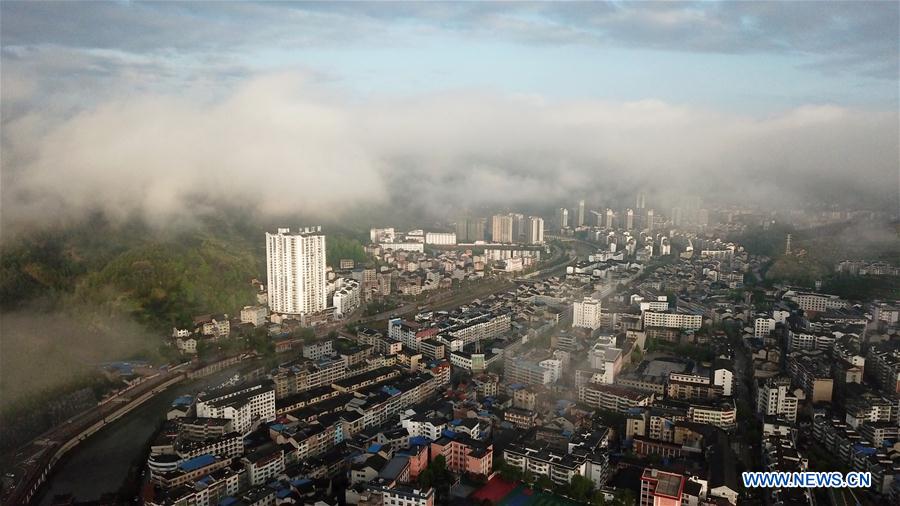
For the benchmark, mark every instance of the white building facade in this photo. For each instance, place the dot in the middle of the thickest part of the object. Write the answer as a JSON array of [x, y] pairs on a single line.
[[295, 265], [586, 313]]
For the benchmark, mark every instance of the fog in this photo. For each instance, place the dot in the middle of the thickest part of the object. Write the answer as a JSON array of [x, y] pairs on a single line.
[[283, 144], [45, 350]]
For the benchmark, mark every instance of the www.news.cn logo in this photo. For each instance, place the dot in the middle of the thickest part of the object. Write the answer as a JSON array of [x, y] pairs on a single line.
[[806, 479]]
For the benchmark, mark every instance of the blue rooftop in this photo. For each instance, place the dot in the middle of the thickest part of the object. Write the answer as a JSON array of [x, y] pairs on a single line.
[[390, 390], [228, 501], [281, 494], [418, 441], [865, 450], [449, 433], [184, 400], [374, 448], [197, 462]]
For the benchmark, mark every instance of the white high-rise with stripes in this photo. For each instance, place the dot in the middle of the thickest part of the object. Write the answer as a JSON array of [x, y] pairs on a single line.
[[295, 266]]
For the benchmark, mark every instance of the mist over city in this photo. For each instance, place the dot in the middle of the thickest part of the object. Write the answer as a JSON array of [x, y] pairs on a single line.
[[431, 253]]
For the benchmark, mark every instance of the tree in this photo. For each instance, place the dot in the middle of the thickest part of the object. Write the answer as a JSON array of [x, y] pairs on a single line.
[[636, 355], [510, 473], [528, 476], [426, 478], [543, 483], [624, 497], [436, 475], [580, 488]]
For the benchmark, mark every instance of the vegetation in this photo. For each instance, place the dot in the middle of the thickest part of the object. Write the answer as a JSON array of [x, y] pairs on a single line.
[[580, 488], [438, 476], [804, 270], [816, 251], [163, 285], [863, 288], [338, 248], [379, 306], [29, 416], [768, 241], [693, 352]]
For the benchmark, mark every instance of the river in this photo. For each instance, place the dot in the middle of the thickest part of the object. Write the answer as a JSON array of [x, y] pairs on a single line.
[[101, 463]]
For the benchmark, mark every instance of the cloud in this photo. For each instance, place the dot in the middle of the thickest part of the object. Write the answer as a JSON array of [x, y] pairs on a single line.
[[855, 37], [285, 144]]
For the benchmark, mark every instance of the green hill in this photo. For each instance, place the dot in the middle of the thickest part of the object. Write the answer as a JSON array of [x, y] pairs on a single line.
[[163, 284], [157, 278]]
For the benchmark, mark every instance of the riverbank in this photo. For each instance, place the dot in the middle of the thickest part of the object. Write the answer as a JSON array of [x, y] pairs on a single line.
[[104, 463]]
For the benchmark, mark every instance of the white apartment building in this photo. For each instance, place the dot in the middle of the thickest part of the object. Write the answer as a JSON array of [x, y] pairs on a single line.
[[604, 356], [562, 216], [405, 495], [806, 341], [673, 320], [347, 297], [295, 265], [263, 467], [243, 405], [723, 416], [422, 426], [377, 235], [554, 366], [534, 230], [660, 304], [762, 327], [417, 247], [254, 315], [817, 302], [502, 228], [774, 398], [441, 238], [586, 313], [316, 351], [724, 378], [176, 332], [781, 315]]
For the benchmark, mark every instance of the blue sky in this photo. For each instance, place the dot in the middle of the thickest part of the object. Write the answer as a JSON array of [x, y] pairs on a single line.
[[739, 56], [456, 103]]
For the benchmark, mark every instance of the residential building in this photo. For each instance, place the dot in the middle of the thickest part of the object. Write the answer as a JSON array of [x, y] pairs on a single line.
[[774, 398], [502, 228], [562, 217], [440, 238], [673, 319], [295, 266], [244, 405], [661, 488], [254, 315], [534, 230], [347, 297], [587, 313]]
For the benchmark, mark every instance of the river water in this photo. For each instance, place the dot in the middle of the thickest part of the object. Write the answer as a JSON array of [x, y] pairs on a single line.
[[101, 463]]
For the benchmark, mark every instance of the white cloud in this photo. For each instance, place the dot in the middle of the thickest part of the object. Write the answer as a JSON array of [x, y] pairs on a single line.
[[284, 145]]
